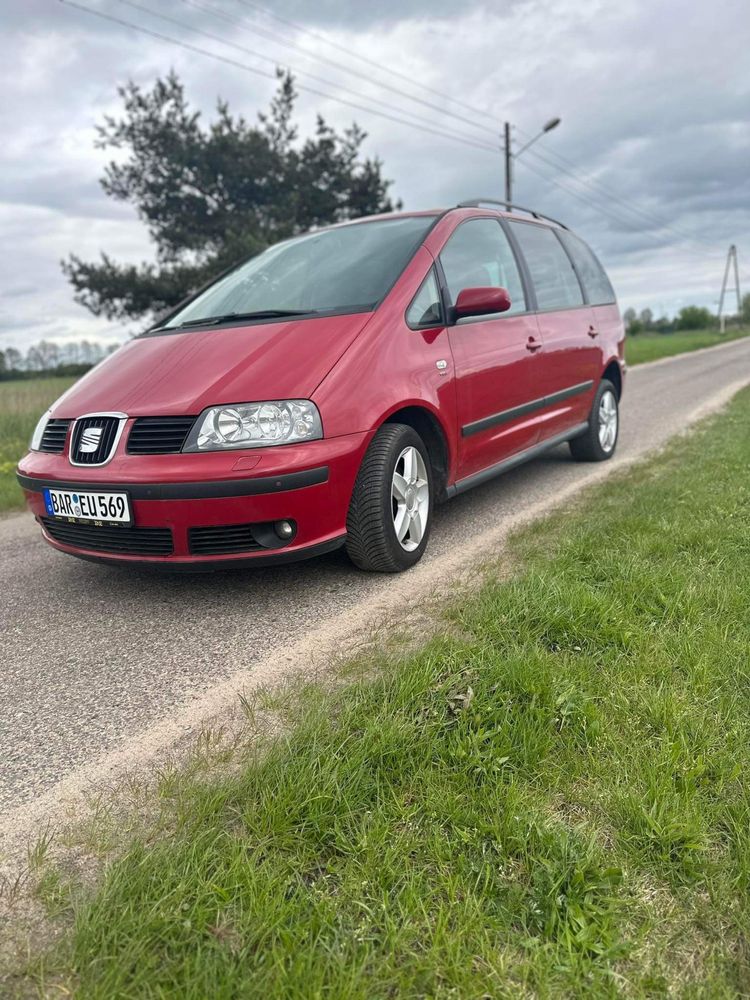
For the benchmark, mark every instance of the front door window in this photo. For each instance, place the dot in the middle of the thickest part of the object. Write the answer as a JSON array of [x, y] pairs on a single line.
[[478, 255]]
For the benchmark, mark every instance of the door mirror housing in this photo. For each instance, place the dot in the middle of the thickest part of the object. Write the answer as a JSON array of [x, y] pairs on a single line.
[[480, 302]]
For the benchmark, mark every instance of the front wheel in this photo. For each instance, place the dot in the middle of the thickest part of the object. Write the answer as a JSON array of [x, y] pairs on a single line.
[[391, 508], [599, 440]]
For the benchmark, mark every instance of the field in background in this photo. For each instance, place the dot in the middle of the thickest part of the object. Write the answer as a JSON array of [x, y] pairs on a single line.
[[21, 405], [651, 346], [549, 799]]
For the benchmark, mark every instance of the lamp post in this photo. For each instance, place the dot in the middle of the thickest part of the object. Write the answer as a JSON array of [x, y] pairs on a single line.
[[510, 155]]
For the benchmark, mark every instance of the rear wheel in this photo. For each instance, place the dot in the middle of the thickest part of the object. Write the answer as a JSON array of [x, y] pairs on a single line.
[[388, 524], [599, 441]]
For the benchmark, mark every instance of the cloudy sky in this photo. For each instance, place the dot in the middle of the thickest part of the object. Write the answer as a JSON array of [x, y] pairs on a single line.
[[651, 163]]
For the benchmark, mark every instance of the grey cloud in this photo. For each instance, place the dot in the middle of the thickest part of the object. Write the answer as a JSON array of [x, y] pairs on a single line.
[[18, 291]]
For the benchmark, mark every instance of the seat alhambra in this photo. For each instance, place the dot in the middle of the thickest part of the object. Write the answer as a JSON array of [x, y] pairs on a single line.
[[331, 391]]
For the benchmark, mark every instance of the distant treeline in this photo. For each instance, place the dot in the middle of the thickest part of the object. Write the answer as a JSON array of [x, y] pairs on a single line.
[[49, 358], [688, 318]]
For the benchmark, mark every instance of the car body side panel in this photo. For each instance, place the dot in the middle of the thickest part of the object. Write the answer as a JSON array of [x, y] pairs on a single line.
[[496, 375], [571, 360], [609, 323]]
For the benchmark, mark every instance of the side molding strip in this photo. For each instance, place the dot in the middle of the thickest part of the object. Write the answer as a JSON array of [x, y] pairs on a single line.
[[510, 463], [505, 416]]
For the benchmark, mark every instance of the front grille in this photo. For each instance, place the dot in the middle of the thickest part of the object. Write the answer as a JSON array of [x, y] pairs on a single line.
[[224, 539], [93, 440], [129, 541], [159, 435], [55, 433]]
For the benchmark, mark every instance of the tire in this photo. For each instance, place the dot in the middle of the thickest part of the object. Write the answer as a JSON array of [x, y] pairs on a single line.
[[377, 512], [599, 440]]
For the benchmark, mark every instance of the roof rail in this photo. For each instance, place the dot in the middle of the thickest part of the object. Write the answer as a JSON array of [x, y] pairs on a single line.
[[509, 207]]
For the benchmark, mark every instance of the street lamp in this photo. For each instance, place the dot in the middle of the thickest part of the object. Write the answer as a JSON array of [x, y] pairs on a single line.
[[510, 156]]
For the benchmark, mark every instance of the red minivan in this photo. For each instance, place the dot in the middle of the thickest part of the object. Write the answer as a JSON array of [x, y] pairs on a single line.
[[330, 391]]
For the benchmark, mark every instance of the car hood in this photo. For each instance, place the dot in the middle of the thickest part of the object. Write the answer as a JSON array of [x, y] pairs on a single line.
[[186, 371]]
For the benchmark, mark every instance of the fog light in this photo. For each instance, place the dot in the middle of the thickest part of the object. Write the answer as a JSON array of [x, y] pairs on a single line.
[[284, 529]]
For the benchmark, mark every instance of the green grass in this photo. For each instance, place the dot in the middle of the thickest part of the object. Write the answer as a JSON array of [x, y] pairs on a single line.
[[651, 346], [21, 404], [549, 800]]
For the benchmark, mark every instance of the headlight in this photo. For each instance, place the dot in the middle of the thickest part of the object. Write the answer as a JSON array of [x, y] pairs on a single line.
[[255, 425], [36, 437]]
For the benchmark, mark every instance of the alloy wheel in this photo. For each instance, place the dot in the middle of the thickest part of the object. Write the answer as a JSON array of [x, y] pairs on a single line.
[[607, 421], [410, 498]]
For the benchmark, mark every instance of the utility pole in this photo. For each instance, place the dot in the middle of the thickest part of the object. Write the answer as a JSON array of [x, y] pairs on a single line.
[[731, 259], [510, 155], [508, 168]]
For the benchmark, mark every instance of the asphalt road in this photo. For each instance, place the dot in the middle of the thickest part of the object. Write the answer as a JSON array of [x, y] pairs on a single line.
[[91, 656]]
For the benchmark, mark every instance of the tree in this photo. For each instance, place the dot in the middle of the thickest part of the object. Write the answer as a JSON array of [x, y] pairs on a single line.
[[70, 353], [49, 354], [629, 318], [34, 362], [745, 308], [13, 359], [89, 353], [213, 195], [693, 318], [646, 318]]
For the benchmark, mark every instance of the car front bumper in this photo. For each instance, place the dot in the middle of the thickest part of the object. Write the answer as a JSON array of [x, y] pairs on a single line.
[[244, 492]]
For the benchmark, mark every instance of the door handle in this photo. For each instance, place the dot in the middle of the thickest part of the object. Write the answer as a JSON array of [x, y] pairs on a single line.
[[593, 332], [532, 345]]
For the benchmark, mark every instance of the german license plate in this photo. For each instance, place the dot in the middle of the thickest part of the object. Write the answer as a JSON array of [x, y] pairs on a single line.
[[92, 508]]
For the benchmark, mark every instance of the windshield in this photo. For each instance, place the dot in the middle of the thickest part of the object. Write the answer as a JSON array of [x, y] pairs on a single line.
[[344, 269]]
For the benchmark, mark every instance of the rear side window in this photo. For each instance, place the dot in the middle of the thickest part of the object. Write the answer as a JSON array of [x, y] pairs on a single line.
[[552, 273], [478, 255], [599, 291]]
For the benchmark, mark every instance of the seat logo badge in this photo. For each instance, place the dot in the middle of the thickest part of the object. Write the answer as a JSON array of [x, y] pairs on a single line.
[[441, 365], [90, 439]]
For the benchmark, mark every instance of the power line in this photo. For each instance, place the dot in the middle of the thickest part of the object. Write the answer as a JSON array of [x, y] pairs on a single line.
[[364, 59], [265, 33], [422, 126], [271, 59], [597, 187], [627, 206], [270, 76], [606, 211], [700, 249]]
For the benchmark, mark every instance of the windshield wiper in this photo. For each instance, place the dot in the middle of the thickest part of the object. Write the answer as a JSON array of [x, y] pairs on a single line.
[[225, 317]]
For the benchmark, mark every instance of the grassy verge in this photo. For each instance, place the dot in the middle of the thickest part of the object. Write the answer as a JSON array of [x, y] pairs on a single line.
[[21, 405], [651, 346], [550, 799]]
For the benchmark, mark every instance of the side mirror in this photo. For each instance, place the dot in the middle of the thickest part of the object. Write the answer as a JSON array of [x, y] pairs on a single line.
[[481, 302]]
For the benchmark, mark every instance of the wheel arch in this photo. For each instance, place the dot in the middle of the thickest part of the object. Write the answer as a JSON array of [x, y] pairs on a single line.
[[613, 374], [430, 428]]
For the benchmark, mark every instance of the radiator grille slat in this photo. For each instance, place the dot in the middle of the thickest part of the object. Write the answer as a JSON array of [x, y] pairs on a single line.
[[54, 436], [128, 541], [159, 435], [223, 539]]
